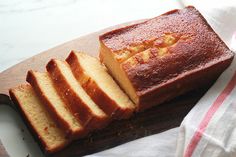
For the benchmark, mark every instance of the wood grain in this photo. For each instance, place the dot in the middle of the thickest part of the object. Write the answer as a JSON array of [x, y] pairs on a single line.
[[152, 121]]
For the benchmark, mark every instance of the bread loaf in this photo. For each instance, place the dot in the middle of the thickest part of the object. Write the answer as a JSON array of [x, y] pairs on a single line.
[[161, 58]]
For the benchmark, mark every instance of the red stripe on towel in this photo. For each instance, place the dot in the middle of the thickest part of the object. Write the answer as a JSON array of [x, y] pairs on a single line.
[[215, 106]]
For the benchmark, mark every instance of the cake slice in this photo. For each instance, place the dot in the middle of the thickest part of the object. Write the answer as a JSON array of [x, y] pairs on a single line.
[[43, 85], [38, 118], [83, 107], [163, 57], [100, 86]]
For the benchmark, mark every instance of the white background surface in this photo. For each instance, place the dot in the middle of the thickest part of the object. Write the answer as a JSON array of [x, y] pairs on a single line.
[[28, 27]]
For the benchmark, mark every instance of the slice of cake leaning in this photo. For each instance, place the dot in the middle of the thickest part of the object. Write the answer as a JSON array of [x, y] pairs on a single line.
[[79, 102], [39, 119], [161, 58], [44, 88], [100, 86]]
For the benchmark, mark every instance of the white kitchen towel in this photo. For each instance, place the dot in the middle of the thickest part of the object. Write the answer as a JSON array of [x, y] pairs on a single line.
[[209, 130], [210, 127]]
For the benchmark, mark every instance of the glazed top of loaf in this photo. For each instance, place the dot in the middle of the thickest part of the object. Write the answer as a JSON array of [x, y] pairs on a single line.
[[162, 48], [186, 22]]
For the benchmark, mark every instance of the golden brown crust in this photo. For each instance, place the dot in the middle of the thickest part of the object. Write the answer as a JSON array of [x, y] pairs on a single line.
[[108, 105], [160, 52], [183, 22], [75, 103], [43, 144], [70, 132], [188, 82]]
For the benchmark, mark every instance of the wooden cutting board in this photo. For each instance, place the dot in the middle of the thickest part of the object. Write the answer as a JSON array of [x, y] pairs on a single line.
[[155, 120]]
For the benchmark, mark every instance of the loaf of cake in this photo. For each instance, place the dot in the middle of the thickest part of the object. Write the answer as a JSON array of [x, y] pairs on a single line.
[[39, 119], [161, 58], [152, 61], [79, 102], [100, 86], [45, 90]]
